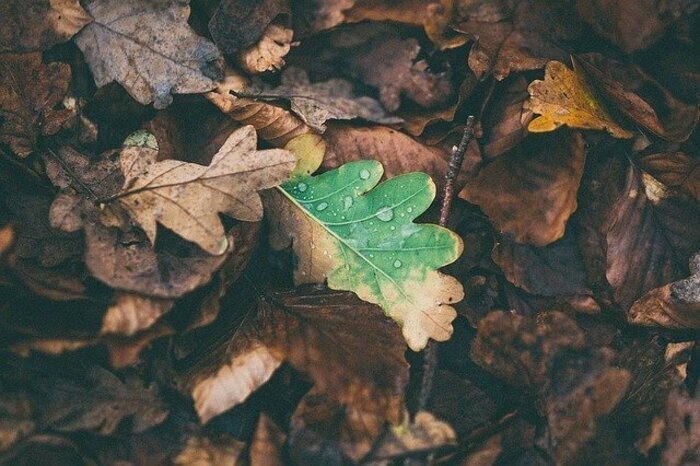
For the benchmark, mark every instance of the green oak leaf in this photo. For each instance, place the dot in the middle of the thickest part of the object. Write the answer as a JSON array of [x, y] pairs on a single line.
[[361, 237]]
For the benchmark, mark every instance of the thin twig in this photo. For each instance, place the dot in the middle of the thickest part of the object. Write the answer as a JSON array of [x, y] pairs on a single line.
[[430, 353]]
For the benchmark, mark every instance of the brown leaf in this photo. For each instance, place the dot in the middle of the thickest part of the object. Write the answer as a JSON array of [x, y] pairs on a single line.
[[682, 445], [398, 152], [203, 451], [238, 24], [268, 54], [187, 198], [505, 119], [674, 306], [148, 47], [323, 334], [29, 90], [39, 24], [426, 433], [677, 170], [531, 195], [565, 98], [552, 270], [640, 98], [322, 15], [315, 103], [130, 313], [104, 401], [519, 38], [631, 25], [15, 418], [391, 64], [268, 443]]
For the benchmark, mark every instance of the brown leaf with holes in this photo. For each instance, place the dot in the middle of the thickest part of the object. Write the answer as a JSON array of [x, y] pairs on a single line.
[[530, 192], [28, 25], [29, 90]]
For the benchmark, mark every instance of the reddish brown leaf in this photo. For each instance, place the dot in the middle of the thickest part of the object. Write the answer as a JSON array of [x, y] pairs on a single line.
[[677, 170]]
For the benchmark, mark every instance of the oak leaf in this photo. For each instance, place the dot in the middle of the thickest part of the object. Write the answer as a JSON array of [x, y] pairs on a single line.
[[250, 20], [148, 47], [28, 25], [29, 91], [565, 98], [530, 193], [362, 238], [268, 54], [187, 197]]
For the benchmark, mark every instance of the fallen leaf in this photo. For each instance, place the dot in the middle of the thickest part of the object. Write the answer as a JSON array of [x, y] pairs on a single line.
[[130, 313], [552, 270], [187, 197], [268, 443], [15, 418], [426, 433], [631, 25], [203, 451], [104, 402], [364, 240], [677, 170], [682, 438], [317, 333], [530, 193], [674, 306], [322, 15], [148, 47], [517, 37], [640, 98], [39, 24], [268, 54], [29, 90], [250, 20], [315, 103], [505, 120], [565, 98], [392, 65]]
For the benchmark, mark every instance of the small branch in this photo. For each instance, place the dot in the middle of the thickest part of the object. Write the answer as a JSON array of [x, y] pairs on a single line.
[[430, 353]]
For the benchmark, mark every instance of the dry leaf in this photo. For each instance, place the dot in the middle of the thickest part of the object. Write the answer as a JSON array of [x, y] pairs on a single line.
[[238, 24], [187, 197], [27, 25], [673, 306], [531, 195], [130, 313], [203, 451], [268, 54], [268, 443], [315, 103], [148, 47], [424, 434], [565, 98], [677, 170], [29, 90], [682, 437], [323, 334], [505, 120]]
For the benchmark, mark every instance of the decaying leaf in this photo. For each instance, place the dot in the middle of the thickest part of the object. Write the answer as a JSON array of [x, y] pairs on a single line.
[[29, 90], [268, 443], [148, 47], [131, 313], [425, 434], [565, 98], [315, 103], [203, 451], [238, 24], [362, 238], [188, 197], [677, 170], [268, 54], [674, 306], [682, 439], [323, 334], [531, 195], [28, 25], [104, 402]]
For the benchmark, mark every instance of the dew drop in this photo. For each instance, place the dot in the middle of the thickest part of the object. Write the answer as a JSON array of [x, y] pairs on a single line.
[[302, 187], [409, 210], [371, 256], [322, 206], [364, 174], [347, 202], [392, 228], [385, 214], [397, 263]]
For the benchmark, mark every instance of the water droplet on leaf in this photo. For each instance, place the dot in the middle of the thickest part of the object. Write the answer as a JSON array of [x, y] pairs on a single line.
[[397, 263], [364, 174], [322, 206], [302, 187], [385, 214], [347, 202]]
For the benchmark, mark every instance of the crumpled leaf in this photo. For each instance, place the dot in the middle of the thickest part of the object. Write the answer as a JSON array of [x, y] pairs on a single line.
[[517, 36], [148, 47], [268, 54], [104, 402], [632, 24], [362, 238], [640, 98], [424, 434], [28, 25], [391, 64], [532, 195], [315, 103], [565, 98], [673, 306], [238, 24], [130, 313], [323, 334], [677, 170], [29, 90], [187, 197]]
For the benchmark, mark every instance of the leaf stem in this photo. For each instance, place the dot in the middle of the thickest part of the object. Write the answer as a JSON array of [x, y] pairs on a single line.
[[430, 354]]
